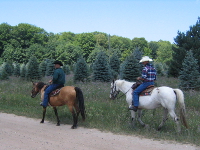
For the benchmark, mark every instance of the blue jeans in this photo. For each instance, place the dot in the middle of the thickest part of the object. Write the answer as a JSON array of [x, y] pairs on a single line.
[[138, 90], [48, 90]]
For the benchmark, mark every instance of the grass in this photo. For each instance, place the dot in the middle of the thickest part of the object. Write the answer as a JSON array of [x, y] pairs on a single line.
[[103, 113]]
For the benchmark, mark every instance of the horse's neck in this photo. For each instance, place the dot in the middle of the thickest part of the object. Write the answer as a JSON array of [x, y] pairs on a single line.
[[43, 88], [42, 92], [125, 87]]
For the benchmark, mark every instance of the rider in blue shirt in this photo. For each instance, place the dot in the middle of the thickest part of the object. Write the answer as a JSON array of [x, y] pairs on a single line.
[[148, 77]]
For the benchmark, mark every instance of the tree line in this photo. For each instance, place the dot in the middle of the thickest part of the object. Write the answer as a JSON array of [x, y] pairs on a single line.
[[20, 43]]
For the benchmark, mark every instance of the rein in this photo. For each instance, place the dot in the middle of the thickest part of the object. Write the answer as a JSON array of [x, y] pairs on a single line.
[[123, 94]]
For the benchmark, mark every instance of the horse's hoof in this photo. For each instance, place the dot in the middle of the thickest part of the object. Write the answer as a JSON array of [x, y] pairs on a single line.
[[146, 126], [41, 121], [57, 124], [73, 127], [159, 128]]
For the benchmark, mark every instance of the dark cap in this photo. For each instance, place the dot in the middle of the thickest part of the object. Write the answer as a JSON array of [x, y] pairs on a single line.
[[58, 62]]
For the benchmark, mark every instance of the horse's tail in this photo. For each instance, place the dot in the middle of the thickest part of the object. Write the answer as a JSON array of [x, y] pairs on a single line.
[[79, 95], [180, 98]]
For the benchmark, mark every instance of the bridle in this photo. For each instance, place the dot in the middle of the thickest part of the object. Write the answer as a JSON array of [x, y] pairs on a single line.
[[114, 91], [34, 92]]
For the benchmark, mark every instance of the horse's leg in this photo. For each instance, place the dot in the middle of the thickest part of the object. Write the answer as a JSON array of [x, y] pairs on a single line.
[[77, 110], [74, 115], [165, 112], [44, 112], [133, 118], [176, 119], [56, 113], [139, 117]]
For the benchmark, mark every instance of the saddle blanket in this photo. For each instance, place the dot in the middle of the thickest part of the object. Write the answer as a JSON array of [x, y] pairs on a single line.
[[147, 91], [55, 92]]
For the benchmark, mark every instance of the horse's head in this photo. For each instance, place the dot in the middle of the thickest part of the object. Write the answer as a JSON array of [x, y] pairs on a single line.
[[114, 90], [36, 88]]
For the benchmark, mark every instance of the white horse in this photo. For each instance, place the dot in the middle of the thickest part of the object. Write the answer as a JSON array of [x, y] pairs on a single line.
[[160, 96]]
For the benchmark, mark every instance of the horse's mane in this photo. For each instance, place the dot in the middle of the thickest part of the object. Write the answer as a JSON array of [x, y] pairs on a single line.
[[40, 85], [122, 80]]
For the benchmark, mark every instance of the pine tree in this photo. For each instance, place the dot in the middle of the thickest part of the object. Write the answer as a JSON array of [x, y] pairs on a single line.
[[49, 67], [114, 65], [23, 71], [32, 69], [66, 69], [175, 65], [185, 42], [16, 70], [138, 55], [189, 74], [159, 69], [101, 68], [42, 68], [81, 72], [130, 69], [3, 74], [8, 68]]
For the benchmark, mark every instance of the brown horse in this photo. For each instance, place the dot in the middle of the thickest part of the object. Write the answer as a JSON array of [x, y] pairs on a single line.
[[68, 95]]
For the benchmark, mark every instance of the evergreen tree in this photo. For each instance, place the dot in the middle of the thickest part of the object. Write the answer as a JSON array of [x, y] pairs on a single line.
[[49, 67], [92, 56], [101, 68], [189, 74], [32, 69], [16, 70], [81, 72], [8, 68], [66, 69], [3, 73], [114, 65], [130, 69], [42, 68], [160, 69], [185, 42], [23, 71], [176, 63], [138, 55]]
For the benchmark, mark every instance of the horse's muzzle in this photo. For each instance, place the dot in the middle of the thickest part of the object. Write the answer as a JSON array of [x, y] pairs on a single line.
[[33, 96]]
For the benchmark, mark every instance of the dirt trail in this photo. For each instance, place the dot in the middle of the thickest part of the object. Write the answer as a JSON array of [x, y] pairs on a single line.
[[21, 133]]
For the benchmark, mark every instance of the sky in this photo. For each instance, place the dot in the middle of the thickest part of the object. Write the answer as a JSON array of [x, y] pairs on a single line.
[[152, 19]]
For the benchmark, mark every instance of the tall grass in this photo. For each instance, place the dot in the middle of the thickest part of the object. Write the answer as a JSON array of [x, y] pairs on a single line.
[[103, 113]]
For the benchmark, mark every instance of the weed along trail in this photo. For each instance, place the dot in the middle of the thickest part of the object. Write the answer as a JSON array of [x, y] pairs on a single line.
[[23, 133]]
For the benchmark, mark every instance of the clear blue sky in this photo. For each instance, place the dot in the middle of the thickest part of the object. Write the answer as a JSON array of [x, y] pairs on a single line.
[[152, 19]]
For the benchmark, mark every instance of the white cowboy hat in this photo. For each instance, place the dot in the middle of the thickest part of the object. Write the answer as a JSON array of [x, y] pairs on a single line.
[[145, 58]]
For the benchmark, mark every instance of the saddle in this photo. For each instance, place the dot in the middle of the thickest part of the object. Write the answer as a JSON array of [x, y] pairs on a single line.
[[56, 91], [146, 92]]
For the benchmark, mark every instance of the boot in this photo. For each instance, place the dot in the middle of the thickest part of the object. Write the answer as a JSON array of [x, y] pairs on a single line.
[[134, 108]]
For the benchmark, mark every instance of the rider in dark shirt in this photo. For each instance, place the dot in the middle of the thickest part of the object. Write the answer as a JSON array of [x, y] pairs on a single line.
[[57, 81]]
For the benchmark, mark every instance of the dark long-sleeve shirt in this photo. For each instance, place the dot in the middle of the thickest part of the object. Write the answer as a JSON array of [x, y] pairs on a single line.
[[58, 76]]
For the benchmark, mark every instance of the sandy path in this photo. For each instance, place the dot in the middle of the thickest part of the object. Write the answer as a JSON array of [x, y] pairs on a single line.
[[21, 133]]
